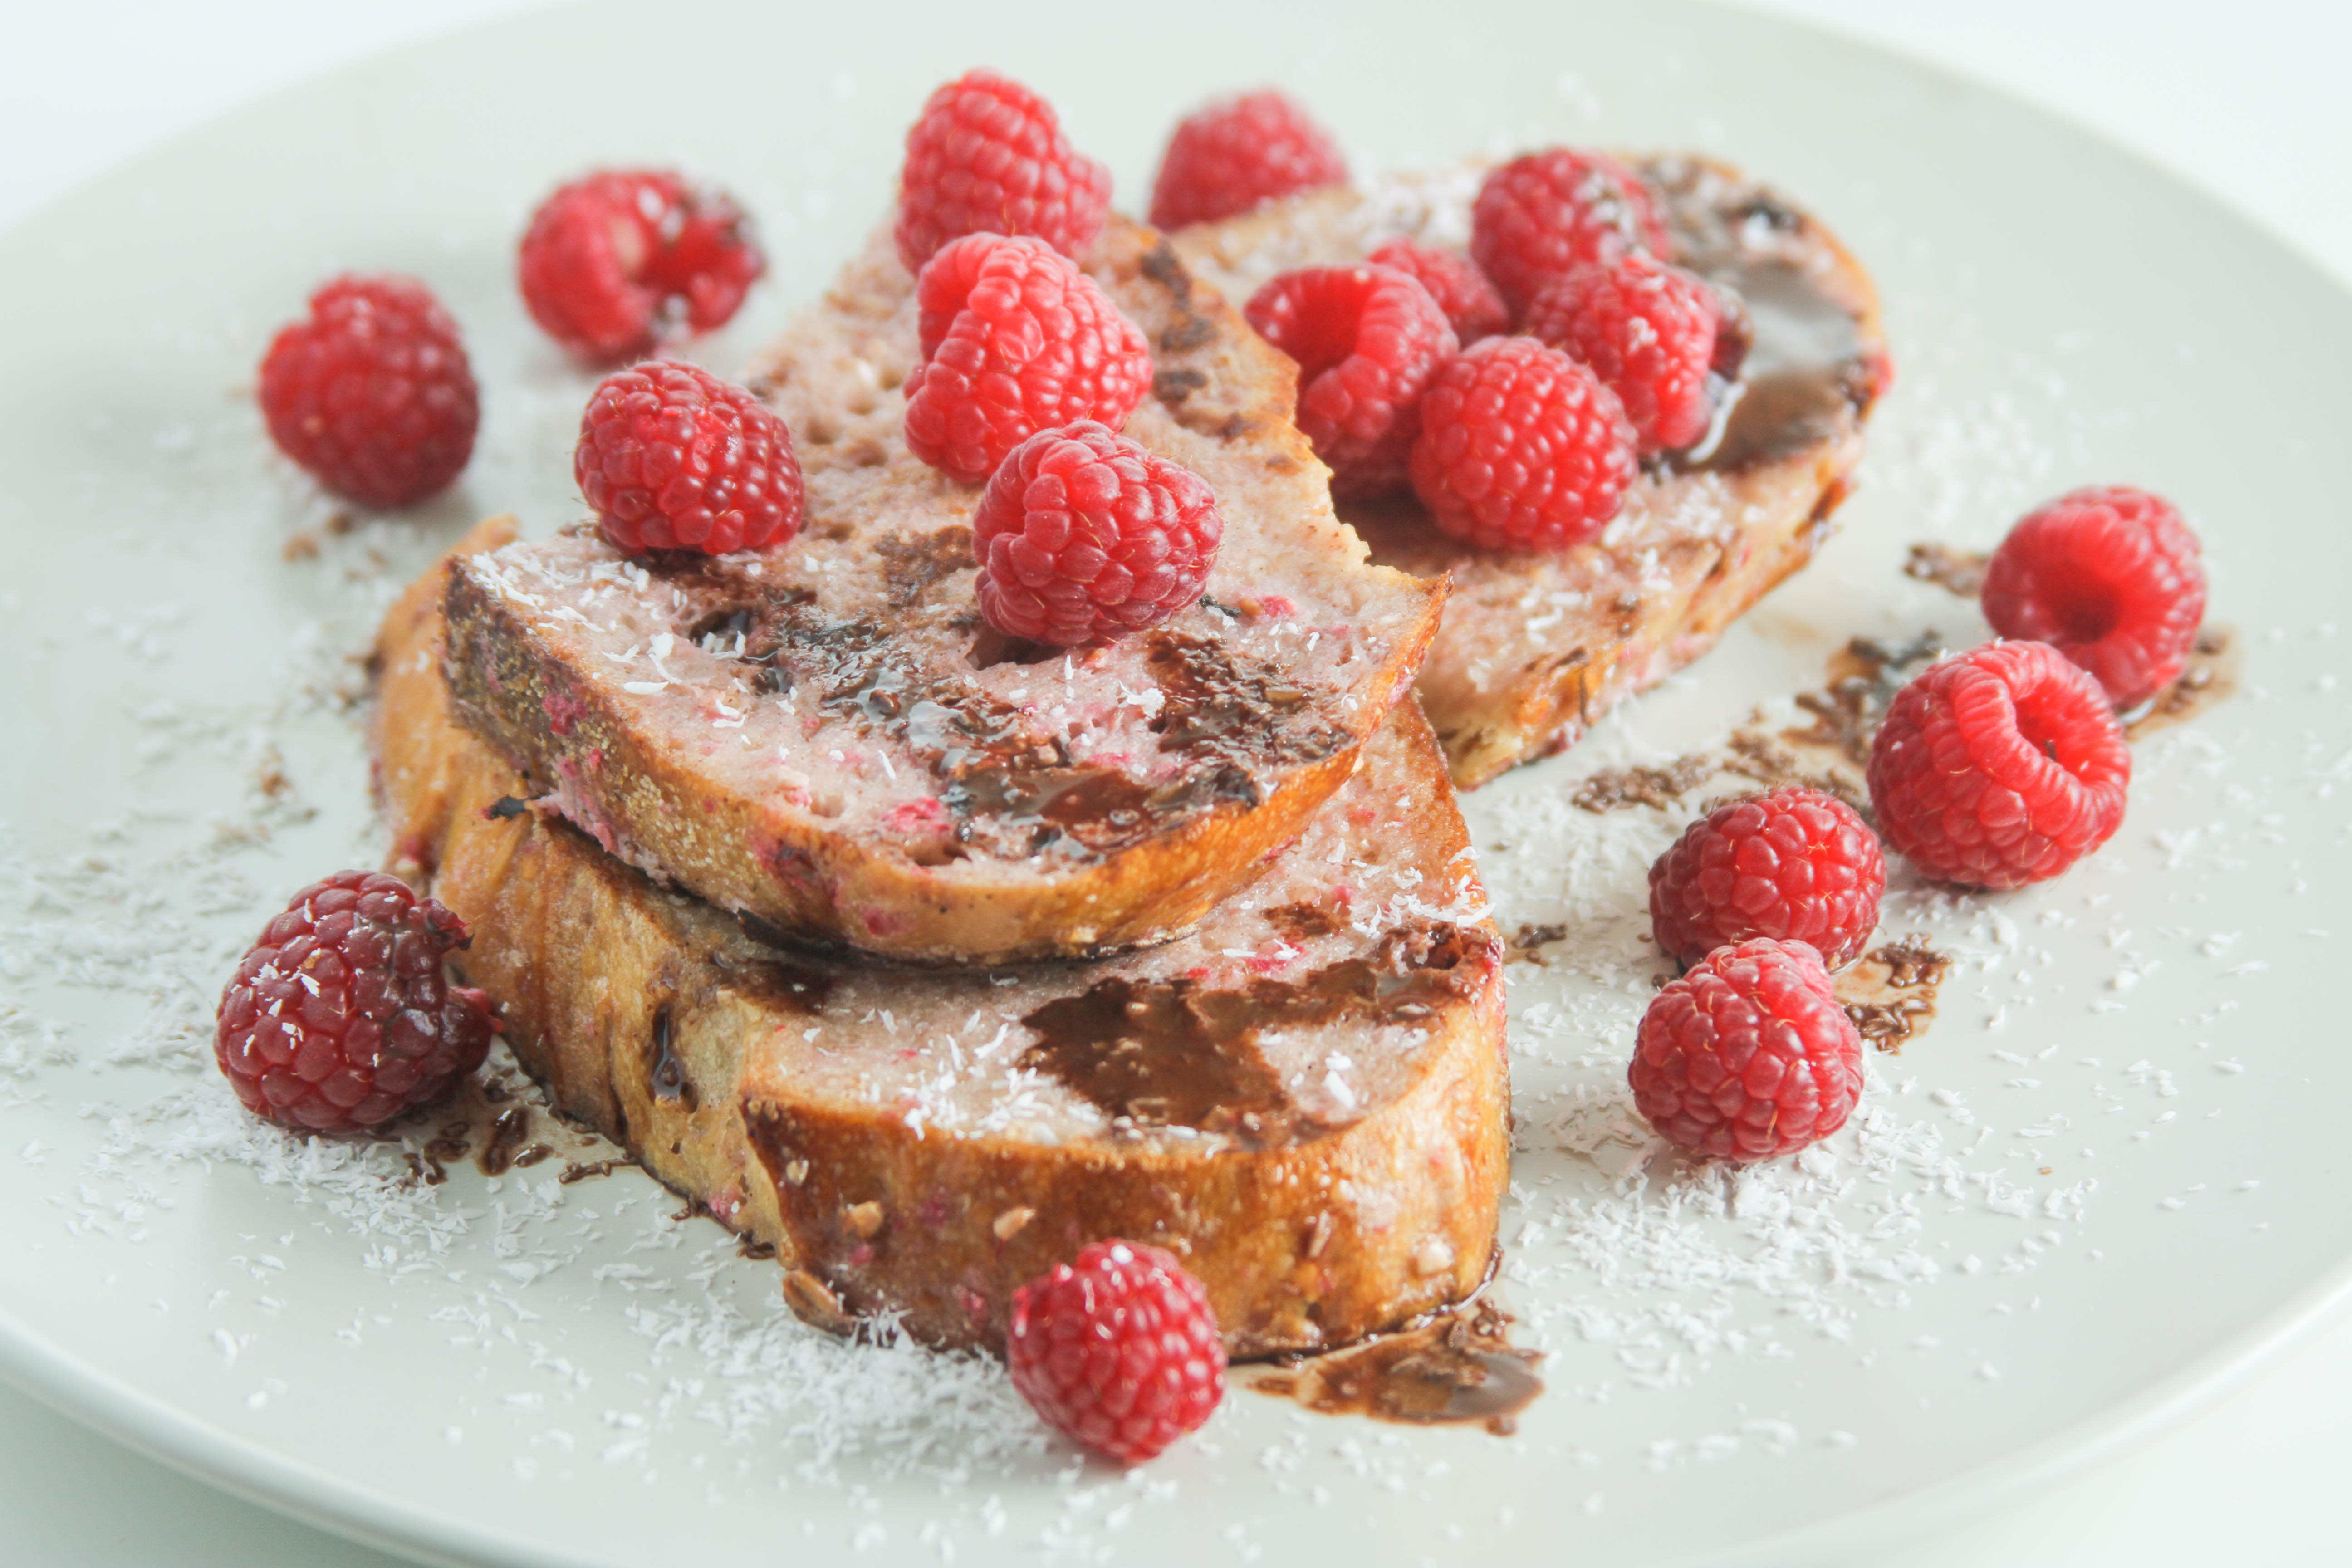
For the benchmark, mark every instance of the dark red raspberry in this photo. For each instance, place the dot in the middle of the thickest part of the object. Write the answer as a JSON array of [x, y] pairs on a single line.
[[1793, 862], [1647, 328], [1241, 153], [1084, 536], [1366, 339], [1998, 767], [2110, 577], [1521, 448], [671, 457], [1538, 215], [339, 1020], [1015, 340], [1118, 1351], [371, 392], [1750, 1056], [613, 262], [1454, 280], [988, 156]]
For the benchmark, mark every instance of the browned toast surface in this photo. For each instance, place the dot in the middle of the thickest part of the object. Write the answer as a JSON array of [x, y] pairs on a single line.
[[827, 738], [1536, 646], [1306, 1098]]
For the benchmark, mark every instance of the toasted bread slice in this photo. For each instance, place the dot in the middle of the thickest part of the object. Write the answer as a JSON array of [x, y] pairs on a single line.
[[1306, 1098], [827, 738], [1536, 646]]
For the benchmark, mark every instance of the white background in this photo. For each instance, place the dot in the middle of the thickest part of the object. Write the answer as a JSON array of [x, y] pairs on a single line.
[[2245, 101]]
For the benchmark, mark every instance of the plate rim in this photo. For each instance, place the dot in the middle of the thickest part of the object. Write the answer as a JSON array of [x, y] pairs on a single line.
[[258, 1473]]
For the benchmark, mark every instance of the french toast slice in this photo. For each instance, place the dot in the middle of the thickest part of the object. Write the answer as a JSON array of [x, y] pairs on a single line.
[[1534, 646], [827, 738], [1306, 1098]]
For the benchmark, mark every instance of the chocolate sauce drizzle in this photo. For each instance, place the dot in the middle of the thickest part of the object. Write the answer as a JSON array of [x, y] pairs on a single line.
[[1456, 1368], [1806, 374], [1176, 1053]]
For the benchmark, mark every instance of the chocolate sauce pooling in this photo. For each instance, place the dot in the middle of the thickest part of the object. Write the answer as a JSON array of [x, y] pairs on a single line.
[[1805, 367], [1176, 1053], [1456, 1369]]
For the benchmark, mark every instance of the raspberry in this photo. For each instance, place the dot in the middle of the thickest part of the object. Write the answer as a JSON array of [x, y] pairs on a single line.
[[1998, 767], [1454, 280], [614, 261], [2111, 579], [1521, 448], [1750, 1056], [1538, 215], [1084, 536], [372, 393], [1647, 328], [1792, 863], [1366, 339], [671, 457], [988, 156], [1118, 1351], [1015, 338], [1242, 153], [339, 1020]]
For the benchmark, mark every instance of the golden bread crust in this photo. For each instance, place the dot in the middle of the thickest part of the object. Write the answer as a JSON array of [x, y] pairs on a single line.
[[794, 1098], [1534, 646]]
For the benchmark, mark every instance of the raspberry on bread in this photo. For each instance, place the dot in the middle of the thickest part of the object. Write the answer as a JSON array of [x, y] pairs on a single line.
[[1536, 646], [1521, 449], [617, 259], [1235, 154], [1311, 1117], [827, 737], [1454, 280], [1015, 338], [1084, 537], [988, 156], [671, 457], [1367, 341]]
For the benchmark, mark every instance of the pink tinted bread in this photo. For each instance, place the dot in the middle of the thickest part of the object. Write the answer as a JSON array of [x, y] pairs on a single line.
[[1534, 646], [1306, 1098], [826, 738]]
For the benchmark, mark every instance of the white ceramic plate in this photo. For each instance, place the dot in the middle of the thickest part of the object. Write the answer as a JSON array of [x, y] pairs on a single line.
[[2092, 1191]]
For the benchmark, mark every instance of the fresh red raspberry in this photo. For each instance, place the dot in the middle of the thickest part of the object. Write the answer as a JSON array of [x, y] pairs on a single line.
[[1749, 1055], [1015, 338], [616, 260], [671, 457], [1454, 280], [339, 1020], [1998, 767], [1118, 1351], [1521, 448], [1647, 328], [372, 393], [1084, 536], [1538, 215], [1241, 153], [988, 156], [2109, 577], [1366, 339], [1792, 863]]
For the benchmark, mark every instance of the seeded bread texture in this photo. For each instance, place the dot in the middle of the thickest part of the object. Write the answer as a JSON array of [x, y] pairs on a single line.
[[1306, 1098], [1536, 646], [826, 738]]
